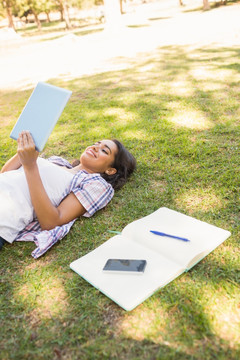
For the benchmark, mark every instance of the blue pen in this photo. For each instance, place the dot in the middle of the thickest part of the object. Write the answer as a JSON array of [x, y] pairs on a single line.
[[168, 235]]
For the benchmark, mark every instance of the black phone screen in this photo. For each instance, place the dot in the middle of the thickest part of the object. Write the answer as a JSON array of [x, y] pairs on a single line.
[[125, 265]]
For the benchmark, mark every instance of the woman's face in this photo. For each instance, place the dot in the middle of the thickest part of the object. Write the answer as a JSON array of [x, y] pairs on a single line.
[[99, 157]]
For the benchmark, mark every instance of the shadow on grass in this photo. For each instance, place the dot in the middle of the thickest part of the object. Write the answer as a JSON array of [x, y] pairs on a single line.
[[137, 26], [59, 26], [178, 112], [159, 18]]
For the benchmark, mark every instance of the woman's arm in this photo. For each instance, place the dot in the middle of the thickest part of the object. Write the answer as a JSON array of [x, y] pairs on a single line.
[[48, 215], [12, 164]]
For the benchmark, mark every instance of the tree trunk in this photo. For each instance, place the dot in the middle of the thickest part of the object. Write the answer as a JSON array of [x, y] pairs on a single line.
[[121, 6], [48, 17], [10, 18], [37, 21], [206, 5], [66, 15], [61, 14]]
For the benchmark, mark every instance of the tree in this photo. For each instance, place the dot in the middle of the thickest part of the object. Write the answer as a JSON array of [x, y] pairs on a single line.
[[47, 7], [206, 5], [35, 7], [7, 4], [121, 6], [63, 7], [23, 8]]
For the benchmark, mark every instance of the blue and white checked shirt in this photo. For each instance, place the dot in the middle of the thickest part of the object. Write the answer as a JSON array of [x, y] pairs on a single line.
[[93, 192]]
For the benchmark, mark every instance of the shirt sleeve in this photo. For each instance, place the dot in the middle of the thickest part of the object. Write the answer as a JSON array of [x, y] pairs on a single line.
[[44, 240], [58, 160], [93, 194]]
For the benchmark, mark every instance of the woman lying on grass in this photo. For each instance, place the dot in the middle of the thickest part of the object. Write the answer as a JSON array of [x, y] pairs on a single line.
[[40, 199]]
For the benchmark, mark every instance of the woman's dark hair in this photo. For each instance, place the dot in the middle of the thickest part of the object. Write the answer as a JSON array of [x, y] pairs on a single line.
[[124, 163]]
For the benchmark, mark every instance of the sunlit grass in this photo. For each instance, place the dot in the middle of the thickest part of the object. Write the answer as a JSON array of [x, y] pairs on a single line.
[[165, 325], [191, 119], [124, 117], [146, 322], [222, 308], [200, 200], [136, 134], [181, 88], [45, 299]]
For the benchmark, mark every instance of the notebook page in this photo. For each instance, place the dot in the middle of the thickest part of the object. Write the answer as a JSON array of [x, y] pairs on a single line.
[[127, 290], [203, 236]]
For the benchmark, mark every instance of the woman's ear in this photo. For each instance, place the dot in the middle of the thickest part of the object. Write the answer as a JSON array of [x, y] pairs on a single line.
[[111, 171]]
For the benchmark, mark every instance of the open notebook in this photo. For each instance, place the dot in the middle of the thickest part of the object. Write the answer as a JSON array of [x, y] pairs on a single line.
[[41, 113], [166, 257]]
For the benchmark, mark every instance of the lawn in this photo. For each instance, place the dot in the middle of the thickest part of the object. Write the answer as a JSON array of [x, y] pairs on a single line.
[[177, 110]]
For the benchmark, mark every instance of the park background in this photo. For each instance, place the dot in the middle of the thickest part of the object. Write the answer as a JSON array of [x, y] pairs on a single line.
[[165, 80]]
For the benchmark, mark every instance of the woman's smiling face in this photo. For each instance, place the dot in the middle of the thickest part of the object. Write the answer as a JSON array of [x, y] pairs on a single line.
[[99, 157]]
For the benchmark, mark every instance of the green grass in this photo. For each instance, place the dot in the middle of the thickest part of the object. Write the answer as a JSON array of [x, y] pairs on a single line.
[[177, 110], [80, 27]]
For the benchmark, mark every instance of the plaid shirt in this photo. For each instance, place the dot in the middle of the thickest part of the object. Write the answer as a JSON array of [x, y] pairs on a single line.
[[92, 191]]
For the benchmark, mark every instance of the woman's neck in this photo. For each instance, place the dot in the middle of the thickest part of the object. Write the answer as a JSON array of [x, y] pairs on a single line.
[[81, 167]]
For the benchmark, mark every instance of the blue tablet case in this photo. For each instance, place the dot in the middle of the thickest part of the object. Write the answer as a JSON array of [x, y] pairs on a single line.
[[41, 113]]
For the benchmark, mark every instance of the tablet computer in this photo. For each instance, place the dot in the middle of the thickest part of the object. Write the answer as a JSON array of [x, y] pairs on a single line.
[[41, 113]]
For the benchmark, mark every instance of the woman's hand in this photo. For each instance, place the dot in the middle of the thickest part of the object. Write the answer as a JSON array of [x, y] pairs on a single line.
[[48, 215], [27, 152]]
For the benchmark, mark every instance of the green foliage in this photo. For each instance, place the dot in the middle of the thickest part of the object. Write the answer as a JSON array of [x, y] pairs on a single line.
[[22, 7]]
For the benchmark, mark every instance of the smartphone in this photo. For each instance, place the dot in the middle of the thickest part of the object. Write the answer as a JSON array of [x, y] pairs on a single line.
[[125, 266]]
